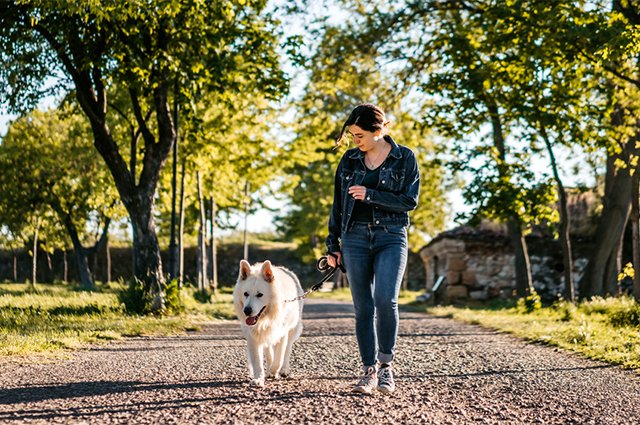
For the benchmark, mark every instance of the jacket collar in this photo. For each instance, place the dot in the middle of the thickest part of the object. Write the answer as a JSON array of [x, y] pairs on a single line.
[[395, 149]]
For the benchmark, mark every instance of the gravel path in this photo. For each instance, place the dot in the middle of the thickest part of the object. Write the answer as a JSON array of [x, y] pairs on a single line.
[[448, 373]]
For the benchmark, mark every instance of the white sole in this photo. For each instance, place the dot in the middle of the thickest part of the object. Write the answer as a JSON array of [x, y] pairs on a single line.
[[385, 390]]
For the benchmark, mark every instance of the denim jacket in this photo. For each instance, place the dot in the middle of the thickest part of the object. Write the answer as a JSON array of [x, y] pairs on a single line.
[[395, 195]]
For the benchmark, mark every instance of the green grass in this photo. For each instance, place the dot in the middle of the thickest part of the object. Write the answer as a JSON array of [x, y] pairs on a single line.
[[602, 329], [343, 294], [57, 318]]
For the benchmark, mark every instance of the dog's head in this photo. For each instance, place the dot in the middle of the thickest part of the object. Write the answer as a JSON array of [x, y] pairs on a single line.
[[254, 292]]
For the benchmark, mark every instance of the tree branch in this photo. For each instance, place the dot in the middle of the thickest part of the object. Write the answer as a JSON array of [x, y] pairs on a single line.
[[149, 140]]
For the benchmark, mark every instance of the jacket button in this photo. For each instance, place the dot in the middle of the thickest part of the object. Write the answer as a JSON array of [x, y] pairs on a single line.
[[377, 221], [382, 182], [368, 198]]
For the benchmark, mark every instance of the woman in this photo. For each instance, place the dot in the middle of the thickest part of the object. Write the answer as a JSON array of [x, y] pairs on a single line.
[[376, 184]]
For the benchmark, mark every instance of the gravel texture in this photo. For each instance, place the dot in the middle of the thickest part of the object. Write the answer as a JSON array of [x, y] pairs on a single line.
[[447, 373]]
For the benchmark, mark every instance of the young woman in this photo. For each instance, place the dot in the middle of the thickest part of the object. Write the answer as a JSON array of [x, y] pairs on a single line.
[[376, 185]]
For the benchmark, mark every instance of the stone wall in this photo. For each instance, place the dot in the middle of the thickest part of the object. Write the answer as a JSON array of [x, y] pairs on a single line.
[[483, 268]]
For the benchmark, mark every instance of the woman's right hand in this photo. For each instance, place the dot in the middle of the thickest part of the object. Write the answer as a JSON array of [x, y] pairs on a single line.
[[334, 261]]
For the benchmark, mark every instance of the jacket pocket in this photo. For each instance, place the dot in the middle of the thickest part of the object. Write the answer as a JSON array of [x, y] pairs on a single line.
[[391, 180]]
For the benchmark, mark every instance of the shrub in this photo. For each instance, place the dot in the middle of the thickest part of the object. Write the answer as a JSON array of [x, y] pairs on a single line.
[[530, 303], [134, 297], [173, 298], [626, 317]]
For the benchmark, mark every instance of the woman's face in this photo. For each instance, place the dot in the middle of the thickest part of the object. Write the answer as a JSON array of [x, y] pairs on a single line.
[[363, 139]]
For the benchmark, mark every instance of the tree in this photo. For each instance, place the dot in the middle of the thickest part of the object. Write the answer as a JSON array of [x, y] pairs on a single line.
[[339, 80], [230, 141], [217, 46], [58, 173]]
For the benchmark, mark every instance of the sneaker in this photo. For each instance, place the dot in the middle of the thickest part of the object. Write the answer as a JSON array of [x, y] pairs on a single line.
[[386, 384], [368, 382]]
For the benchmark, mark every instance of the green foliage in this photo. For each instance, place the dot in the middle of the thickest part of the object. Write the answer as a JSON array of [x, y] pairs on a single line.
[[60, 181], [173, 297], [169, 52], [202, 296], [340, 77], [135, 298], [627, 317], [530, 303]]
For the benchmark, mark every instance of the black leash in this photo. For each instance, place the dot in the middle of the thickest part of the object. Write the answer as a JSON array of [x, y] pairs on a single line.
[[322, 265]]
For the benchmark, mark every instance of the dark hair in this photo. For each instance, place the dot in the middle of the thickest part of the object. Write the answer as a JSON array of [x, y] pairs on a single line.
[[367, 116]]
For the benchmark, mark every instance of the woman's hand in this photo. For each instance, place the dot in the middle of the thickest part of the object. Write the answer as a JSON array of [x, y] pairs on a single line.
[[358, 192], [334, 261]]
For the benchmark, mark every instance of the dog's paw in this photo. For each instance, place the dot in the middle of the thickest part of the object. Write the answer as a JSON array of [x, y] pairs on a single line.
[[257, 382], [285, 373], [274, 374]]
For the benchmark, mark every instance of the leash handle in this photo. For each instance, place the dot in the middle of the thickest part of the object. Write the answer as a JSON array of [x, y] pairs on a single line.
[[322, 265]]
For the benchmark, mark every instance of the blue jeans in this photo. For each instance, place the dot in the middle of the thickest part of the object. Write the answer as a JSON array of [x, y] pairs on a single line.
[[375, 258]]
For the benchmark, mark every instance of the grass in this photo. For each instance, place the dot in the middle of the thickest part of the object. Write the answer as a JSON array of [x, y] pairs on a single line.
[[56, 318], [606, 329], [343, 294]]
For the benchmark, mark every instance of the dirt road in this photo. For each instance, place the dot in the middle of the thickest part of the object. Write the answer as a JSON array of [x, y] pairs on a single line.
[[447, 373]]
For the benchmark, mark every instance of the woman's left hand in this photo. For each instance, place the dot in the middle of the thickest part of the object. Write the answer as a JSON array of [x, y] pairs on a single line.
[[358, 192]]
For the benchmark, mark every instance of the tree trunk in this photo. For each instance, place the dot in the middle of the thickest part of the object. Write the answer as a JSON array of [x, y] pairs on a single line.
[[181, 231], [564, 226], [405, 279], [107, 252], [214, 250], [614, 266], [636, 261], [522, 265], [635, 233], [609, 233], [173, 247], [202, 241], [82, 265], [49, 276], [245, 242], [65, 273], [35, 255], [81, 255], [15, 267], [521, 254], [147, 258], [565, 243]]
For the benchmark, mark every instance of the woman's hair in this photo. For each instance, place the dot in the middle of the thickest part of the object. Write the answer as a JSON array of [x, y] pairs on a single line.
[[367, 116]]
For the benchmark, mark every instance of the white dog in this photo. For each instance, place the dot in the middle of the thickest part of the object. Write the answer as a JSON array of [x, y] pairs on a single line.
[[269, 324]]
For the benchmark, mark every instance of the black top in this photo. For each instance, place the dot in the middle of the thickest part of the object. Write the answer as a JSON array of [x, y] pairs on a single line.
[[362, 211]]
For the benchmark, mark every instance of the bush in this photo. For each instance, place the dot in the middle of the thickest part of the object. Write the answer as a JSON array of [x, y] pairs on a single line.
[[134, 297], [173, 298], [530, 303], [202, 296], [626, 317], [138, 301]]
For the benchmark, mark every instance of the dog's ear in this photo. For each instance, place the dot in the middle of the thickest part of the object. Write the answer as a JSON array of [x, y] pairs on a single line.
[[245, 269], [267, 273]]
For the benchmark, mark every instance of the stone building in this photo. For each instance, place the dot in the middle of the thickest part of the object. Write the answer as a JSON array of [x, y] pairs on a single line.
[[478, 262]]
